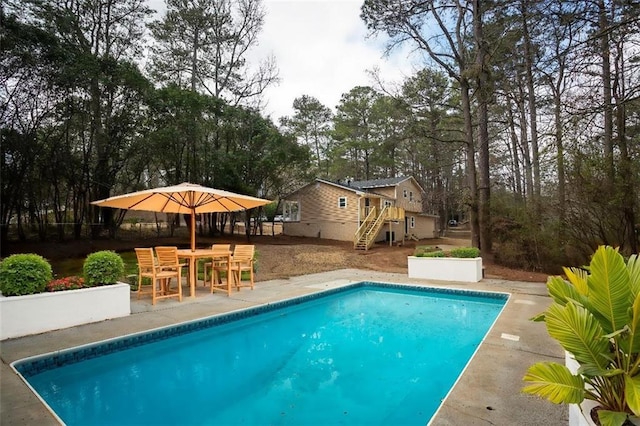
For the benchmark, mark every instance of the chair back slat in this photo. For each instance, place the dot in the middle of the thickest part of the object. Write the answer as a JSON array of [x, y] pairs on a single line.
[[221, 247], [146, 261], [167, 255], [243, 253]]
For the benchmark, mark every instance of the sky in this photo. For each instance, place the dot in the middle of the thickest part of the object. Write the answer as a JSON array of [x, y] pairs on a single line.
[[322, 50]]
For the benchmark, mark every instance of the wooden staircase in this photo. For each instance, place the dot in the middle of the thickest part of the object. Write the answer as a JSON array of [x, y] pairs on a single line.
[[372, 224]]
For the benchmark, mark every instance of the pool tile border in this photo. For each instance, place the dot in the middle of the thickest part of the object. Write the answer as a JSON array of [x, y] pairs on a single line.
[[34, 365]]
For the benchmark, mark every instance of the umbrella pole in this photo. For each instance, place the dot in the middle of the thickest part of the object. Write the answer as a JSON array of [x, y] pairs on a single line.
[[193, 230]]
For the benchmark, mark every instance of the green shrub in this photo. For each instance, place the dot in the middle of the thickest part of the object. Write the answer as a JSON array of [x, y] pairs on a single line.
[[465, 252], [420, 250], [25, 273], [438, 253], [103, 268]]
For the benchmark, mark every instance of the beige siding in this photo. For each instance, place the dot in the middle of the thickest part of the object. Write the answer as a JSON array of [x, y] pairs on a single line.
[[341, 231], [320, 214], [397, 229], [319, 202], [425, 226], [389, 191], [410, 206]]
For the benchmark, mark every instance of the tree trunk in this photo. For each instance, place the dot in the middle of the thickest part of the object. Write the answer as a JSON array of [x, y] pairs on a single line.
[[482, 80], [524, 145], [515, 159], [471, 163], [605, 52], [533, 114], [560, 163]]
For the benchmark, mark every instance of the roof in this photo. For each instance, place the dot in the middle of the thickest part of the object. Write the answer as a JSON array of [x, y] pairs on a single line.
[[378, 183], [327, 182], [384, 183], [341, 185], [364, 186]]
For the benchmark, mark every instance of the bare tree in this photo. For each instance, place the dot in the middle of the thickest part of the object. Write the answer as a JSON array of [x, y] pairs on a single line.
[[203, 45]]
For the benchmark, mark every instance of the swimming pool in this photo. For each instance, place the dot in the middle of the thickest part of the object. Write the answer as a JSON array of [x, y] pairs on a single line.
[[370, 353]]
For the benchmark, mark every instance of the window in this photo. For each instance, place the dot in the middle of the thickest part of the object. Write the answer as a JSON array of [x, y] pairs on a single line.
[[410, 195], [291, 211], [342, 202], [412, 221], [387, 203], [404, 193]]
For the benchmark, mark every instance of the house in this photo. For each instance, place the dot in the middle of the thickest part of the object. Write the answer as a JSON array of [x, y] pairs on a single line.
[[364, 212]]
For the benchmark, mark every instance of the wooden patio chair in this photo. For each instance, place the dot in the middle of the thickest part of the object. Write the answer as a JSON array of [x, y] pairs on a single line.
[[168, 258], [241, 261], [225, 248], [149, 267]]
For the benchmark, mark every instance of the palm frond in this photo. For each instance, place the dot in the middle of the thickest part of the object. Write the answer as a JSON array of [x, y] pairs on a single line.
[[609, 290], [578, 331], [631, 340], [611, 418], [562, 292], [554, 382], [578, 277], [633, 266], [632, 393]]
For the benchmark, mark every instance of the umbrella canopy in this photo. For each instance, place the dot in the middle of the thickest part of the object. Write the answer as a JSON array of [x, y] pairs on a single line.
[[186, 198]]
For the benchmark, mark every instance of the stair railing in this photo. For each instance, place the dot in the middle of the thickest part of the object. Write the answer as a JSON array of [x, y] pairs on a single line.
[[362, 229], [373, 230]]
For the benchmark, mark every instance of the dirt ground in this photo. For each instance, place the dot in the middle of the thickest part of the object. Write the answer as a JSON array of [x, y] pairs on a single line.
[[282, 256]]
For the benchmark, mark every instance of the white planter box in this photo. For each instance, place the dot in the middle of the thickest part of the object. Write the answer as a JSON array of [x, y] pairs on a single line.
[[446, 268], [37, 313]]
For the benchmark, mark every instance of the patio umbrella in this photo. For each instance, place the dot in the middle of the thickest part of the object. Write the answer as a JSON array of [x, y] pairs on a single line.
[[184, 198]]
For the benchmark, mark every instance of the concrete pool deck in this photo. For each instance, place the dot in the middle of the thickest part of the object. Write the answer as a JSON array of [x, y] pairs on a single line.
[[488, 393]]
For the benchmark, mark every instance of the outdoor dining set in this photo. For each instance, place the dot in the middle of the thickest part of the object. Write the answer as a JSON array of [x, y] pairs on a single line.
[[162, 265]]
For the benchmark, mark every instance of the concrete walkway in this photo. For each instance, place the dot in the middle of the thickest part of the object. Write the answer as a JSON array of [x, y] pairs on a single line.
[[488, 393]]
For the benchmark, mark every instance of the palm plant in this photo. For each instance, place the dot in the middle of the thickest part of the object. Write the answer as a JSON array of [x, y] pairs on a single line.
[[595, 315]]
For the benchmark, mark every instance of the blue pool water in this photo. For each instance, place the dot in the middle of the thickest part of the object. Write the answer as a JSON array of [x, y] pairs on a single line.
[[371, 354]]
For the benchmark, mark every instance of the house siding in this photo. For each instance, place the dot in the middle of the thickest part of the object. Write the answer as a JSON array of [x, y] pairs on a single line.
[[320, 214], [321, 217], [425, 227], [410, 186], [341, 231]]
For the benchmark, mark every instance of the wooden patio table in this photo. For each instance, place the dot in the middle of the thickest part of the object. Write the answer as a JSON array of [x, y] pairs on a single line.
[[193, 255]]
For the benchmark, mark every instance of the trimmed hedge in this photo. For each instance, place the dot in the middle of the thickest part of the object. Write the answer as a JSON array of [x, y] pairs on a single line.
[[103, 268], [438, 253], [458, 252], [24, 273], [465, 252]]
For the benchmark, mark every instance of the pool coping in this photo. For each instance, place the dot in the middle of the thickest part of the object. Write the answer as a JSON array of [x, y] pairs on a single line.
[[460, 404]]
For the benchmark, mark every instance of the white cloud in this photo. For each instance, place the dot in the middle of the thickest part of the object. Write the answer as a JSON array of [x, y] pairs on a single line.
[[321, 50]]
